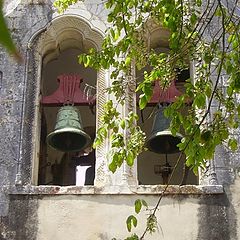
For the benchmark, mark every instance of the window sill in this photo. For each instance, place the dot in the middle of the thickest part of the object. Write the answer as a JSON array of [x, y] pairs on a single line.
[[115, 190]]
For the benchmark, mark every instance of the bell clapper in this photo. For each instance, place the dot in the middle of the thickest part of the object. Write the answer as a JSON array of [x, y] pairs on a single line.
[[164, 170]]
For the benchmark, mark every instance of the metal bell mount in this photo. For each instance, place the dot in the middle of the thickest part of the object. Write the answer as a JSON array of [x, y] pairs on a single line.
[[68, 135]]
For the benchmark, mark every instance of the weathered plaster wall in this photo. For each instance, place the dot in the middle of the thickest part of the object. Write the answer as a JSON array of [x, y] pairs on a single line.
[[23, 20], [20, 223], [234, 192], [103, 217]]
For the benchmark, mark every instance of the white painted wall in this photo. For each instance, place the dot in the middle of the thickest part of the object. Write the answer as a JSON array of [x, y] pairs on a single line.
[[93, 217]]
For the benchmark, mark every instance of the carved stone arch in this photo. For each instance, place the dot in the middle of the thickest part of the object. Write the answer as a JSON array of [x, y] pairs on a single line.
[[156, 35], [62, 32], [67, 31]]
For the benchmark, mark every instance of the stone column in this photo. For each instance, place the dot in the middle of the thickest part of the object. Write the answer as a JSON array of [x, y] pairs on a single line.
[[124, 176], [101, 171], [129, 176]]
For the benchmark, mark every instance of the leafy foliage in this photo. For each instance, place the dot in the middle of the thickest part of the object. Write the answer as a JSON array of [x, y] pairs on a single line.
[[151, 223], [206, 36], [5, 37], [215, 54], [121, 149], [131, 221], [138, 205], [62, 5], [133, 237]]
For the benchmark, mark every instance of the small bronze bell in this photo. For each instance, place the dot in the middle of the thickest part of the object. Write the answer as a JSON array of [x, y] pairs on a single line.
[[68, 135], [161, 139]]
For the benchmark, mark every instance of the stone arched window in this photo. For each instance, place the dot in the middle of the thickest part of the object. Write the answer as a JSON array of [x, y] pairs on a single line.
[[61, 41], [53, 54], [155, 168]]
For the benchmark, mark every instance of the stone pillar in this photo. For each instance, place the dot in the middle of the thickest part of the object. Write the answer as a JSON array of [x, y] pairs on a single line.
[[101, 171], [129, 176], [124, 176]]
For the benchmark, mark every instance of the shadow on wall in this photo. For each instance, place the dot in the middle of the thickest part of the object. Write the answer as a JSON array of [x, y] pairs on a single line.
[[217, 218]]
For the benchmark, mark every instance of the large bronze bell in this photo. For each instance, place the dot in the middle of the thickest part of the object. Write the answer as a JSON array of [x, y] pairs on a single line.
[[161, 139], [68, 135]]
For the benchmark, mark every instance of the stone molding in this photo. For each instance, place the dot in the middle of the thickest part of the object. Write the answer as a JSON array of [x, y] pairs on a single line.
[[68, 31], [115, 190]]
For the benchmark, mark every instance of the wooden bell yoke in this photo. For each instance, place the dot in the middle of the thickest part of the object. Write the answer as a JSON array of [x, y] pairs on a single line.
[[161, 95], [68, 93]]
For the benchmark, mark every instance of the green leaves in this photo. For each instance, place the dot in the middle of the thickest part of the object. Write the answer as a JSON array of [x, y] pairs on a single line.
[[127, 43], [131, 221], [233, 144], [200, 100], [124, 45], [62, 5], [112, 166], [115, 34], [138, 205], [206, 112], [130, 158], [133, 237], [123, 124], [122, 149], [142, 101], [145, 97], [5, 37]]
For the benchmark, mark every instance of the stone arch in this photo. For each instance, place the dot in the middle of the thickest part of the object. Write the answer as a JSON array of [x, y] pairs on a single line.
[[62, 32], [69, 31]]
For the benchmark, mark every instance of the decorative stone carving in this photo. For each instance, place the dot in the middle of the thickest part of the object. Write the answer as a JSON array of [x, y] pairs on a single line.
[[68, 32], [130, 174], [101, 160]]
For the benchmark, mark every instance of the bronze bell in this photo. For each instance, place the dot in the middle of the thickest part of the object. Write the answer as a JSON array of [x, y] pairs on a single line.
[[68, 135], [161, 139]]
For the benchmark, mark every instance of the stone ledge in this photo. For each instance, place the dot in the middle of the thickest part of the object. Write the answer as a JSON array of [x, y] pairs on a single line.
[[115, 190]]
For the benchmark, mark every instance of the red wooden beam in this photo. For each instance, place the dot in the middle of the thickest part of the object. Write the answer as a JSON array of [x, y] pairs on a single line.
[[68, 92], [167, 95]]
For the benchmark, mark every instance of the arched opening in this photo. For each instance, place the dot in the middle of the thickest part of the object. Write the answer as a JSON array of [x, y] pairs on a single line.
[[155, 168], [62, 75]]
